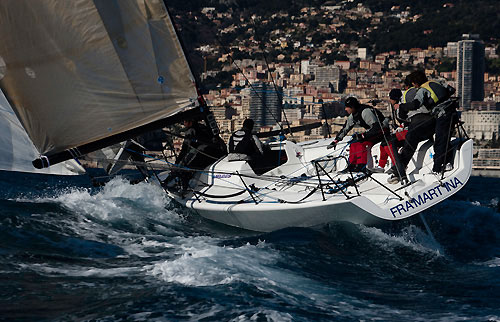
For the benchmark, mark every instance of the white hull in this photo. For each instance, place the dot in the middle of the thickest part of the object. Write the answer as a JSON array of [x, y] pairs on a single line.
[[275, 205]]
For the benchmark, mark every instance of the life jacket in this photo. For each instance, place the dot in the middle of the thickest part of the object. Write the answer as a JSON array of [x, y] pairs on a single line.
[[439, 93], [358, 119], [242, 142], [409, 95]]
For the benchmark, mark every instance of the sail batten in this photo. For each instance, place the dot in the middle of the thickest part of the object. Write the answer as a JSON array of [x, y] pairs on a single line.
[[80, 71]]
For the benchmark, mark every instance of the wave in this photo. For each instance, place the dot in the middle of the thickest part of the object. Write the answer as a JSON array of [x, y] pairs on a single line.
[[134, 241], [466, 229], [203, 263]]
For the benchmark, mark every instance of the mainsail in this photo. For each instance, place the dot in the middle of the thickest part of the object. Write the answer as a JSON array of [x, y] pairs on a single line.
[[77, 72]]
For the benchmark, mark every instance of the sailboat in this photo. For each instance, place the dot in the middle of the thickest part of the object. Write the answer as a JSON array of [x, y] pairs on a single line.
[[82, 76]]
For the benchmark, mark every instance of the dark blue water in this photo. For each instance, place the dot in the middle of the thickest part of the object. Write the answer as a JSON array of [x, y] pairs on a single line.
[[69, 251]]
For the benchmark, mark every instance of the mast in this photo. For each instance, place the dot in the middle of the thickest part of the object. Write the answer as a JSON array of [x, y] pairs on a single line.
[[204, 108]]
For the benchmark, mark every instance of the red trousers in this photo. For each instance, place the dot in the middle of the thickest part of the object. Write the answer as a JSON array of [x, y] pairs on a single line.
[[358, 152], [386, 150]]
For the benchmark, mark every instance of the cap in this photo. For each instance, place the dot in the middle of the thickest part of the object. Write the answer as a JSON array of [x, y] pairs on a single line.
[[351, 102]]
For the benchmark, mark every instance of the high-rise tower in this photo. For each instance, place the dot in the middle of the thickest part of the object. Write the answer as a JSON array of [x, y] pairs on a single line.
[[470, 70], [264, 104]]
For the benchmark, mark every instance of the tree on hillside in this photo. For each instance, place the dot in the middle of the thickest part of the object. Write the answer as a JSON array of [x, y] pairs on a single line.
[[447, 65]]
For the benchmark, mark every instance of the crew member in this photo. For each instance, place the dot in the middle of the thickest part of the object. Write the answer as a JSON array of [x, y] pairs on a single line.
[[393, 141], [243, 145], [399, 132], [436, 98], [376, 126], [407, 96], [200, 148], [431, 102]]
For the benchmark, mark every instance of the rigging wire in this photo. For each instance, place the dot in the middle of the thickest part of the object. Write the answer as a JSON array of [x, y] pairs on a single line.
[[280, 97], [250, 84]]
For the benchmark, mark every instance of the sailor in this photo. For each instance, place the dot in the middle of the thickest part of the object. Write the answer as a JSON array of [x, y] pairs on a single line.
[[393, 141], [437, 98], [408, 95], [399, 116], [193, 131], [200, 148], [421, 126], [431, 101], [149, 141], [243, 145], [376, 126]]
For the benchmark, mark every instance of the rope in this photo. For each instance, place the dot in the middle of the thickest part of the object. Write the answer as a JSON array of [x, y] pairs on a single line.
[[221, 196], [301, 200]]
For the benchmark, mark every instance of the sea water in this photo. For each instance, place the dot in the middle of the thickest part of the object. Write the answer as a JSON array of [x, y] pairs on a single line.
[[122, 252]]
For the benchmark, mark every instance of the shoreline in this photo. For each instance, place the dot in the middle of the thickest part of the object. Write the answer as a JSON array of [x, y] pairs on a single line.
[[482, 172]]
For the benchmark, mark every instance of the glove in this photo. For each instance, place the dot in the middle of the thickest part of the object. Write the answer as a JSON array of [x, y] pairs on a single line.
[[333, 144]]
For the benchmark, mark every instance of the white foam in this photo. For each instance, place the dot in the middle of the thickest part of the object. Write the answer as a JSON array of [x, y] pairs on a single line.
[[494, 202], [118, 199], [495, 262], [141, 246], [140, 205], [201, 263], [140, 208], [204, 263], [411, 236], [492, 318], [82, 272], [270, 315]]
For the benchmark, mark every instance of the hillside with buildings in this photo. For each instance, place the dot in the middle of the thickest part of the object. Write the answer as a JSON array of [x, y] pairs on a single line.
[[297, 65]]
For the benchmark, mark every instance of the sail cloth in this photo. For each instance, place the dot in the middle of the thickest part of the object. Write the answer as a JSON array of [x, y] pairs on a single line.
[[80, 71], [17, 150]]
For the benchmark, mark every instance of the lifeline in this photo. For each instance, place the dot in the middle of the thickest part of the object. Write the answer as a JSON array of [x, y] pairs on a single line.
[[424, 197]]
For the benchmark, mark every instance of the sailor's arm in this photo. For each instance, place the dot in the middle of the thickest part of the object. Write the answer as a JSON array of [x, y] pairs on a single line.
[[258, 144], [348, 125], [418, 100], [372, 121]]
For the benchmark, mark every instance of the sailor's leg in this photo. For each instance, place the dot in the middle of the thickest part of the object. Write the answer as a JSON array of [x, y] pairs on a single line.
[[355, 151], [366, 151], [441, 141], [420, 129], [384, 155], [390, 152]]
